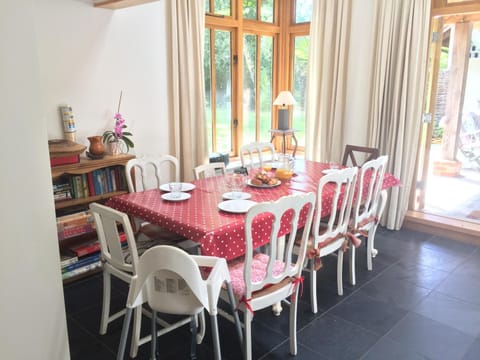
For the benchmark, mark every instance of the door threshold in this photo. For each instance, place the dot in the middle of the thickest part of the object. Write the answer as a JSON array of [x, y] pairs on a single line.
[[461, 230]]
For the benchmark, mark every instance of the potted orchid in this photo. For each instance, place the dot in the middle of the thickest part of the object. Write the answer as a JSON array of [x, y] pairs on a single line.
[[114, 138]]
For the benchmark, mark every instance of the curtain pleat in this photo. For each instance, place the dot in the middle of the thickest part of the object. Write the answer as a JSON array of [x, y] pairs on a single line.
[[186, 85], [327, 76], [396, 101]]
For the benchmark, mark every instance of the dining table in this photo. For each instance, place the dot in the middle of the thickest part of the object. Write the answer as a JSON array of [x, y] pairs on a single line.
[[199, 216]]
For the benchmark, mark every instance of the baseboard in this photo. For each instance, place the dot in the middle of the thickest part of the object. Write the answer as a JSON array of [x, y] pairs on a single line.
[[465, 231]]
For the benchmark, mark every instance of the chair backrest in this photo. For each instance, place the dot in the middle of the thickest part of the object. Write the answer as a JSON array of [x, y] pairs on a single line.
[[112, 226], [369, 186], [208, 170], [358, 155], [255, 153], [294, 207], [147, 173], [328, 233], [169, 280]]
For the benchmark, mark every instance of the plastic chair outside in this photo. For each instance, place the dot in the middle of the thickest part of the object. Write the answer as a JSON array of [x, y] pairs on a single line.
[[329, 235], [170, 281], [149, 173], [353, 154], [260, 280], [256, 153], [209, 170], [368, 208], [120, 262]]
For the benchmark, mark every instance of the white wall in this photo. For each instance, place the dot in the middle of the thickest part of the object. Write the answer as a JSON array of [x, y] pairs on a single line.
[[88, 55], [32, 312], [54, 52], [359, 72]]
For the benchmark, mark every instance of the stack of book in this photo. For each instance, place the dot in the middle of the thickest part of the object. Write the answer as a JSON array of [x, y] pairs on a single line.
[[83, 258], [62, 191], [75, 224]]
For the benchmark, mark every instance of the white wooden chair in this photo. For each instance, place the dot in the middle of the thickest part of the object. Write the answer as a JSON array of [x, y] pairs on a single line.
[[329, 235], [262, 279], [149, 173], [368, 208], [121, 262], [208, 170], [170, 281], [256, 153]]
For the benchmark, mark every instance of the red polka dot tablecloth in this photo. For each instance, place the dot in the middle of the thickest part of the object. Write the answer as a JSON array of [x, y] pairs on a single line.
[[220, 233]]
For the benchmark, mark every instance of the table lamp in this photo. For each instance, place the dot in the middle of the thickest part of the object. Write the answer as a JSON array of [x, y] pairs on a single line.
[[284, 99]]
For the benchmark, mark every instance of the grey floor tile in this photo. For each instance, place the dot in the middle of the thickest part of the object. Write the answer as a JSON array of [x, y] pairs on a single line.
[[431, 338], [458, 314], [336, 338], [387, 348], [473, 352], [369, 313]]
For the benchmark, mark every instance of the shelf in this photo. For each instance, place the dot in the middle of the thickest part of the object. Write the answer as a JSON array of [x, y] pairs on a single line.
[[75, 202], [87, 165], [120, 4]]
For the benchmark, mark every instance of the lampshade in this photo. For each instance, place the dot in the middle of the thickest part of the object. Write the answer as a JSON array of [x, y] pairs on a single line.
[[284, 98]]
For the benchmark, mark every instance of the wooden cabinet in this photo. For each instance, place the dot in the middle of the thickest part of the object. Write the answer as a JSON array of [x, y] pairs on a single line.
[[75, 186]]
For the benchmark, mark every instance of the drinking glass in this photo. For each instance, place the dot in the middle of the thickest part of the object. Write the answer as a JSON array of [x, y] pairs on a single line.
[[175, 189]]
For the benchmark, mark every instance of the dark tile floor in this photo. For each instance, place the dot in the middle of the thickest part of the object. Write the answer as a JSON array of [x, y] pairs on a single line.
[[421, 301]]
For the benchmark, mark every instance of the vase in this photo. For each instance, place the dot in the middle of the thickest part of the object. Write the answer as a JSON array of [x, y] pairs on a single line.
[[96, 146], [115, 148]]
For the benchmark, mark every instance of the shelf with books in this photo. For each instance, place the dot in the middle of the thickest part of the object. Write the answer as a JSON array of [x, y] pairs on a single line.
[[75, 186]]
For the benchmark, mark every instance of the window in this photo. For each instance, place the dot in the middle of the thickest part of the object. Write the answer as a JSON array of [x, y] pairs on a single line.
[[253, 50]]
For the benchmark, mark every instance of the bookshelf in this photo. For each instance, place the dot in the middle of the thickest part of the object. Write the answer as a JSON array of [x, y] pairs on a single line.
[[75, 186]]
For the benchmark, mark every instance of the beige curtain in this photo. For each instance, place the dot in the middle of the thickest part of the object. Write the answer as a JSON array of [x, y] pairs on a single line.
[[327, 75], [186, 84], [399, 61]]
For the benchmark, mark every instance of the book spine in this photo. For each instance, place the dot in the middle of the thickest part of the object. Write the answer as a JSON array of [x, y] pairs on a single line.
[[108, 180], [82, 262], [81, 270], [79, 187], [114, 180], [87, 249], [98, 182], [68, 261], [91, 186]]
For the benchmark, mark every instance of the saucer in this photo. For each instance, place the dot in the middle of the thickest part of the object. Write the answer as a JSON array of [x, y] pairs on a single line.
[[185, 187], [236, 206], [183, 196], [239, 195]]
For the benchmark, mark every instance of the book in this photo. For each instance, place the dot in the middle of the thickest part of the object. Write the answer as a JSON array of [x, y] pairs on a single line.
[[81, 270], [113, 178], [64, 160], [67, 259], [75, 224], [108, 180], [91, 186], [91, 247], [82, 262], [78, 187], [86, 193]]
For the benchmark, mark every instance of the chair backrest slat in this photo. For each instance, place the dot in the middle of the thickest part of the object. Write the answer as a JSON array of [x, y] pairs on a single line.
[[354, 153], [151, 172], [256, 153]]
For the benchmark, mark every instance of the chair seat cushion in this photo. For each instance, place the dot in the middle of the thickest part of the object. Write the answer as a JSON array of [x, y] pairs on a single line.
[[258, 270]]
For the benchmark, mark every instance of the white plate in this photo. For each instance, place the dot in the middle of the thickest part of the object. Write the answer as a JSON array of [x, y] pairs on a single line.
[[236, 206], [236, 196], [183, 196], [329, 171], [185, 187], [264, 186]]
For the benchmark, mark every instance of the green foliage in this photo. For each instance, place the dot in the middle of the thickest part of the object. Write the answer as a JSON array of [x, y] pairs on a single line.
[[109, 136]]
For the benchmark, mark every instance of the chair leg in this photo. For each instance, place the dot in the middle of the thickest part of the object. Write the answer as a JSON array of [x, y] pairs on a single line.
[[232, 302], [351, 264], [137, 323], [247, 339], [340, 272], [106, 302], [313, 286], [193, 329], [123, 336], [215, 337], [202, 326], [153, 342], [293, 323]]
